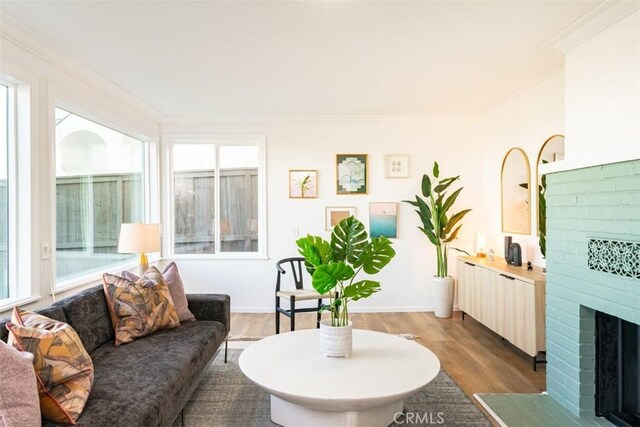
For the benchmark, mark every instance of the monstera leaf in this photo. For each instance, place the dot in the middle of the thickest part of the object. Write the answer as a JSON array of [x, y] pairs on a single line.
[[348, 240], [361, 289], [327, 276], [375, 255], [315, 250]]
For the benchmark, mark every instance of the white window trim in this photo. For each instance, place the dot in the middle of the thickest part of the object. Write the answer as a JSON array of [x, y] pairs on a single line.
[[150, 161], [22, 286], [217, 139]]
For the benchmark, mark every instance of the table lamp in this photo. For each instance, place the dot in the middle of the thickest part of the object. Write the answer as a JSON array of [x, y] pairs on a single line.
[[139, 238]]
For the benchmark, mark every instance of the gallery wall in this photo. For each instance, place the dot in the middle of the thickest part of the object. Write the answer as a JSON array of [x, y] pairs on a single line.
[[313, 144]]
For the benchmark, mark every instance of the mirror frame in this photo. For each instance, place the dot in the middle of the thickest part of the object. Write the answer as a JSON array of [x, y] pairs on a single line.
[[504, 161], [544, 144]]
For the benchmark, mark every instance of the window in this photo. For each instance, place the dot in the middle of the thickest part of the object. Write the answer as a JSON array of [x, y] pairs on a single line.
[[100, 184], [4, 192], [217, 190]]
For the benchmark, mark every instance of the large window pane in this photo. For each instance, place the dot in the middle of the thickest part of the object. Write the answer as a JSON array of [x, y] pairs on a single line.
[[99, 185], [194, 191], [4, 199], [239, 199]]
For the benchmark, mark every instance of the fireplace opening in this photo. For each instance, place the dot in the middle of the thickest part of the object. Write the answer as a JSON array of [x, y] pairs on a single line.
[[617, 370]]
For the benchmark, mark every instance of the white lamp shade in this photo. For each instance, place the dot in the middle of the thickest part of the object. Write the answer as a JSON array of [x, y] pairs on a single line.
[[139, 238]]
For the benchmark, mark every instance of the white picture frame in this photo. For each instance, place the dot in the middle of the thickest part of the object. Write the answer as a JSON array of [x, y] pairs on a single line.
[[334, 214], [396, 166]]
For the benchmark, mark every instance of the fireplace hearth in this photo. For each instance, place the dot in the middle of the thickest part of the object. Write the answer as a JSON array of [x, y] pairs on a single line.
[[617, 370]]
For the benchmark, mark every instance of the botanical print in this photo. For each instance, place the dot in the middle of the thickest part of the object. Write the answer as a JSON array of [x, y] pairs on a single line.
[[383, 220], [303, 184], [351, 173]]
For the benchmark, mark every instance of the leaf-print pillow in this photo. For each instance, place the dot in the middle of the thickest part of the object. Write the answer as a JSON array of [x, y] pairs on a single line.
[[63, 367], [139, 308]]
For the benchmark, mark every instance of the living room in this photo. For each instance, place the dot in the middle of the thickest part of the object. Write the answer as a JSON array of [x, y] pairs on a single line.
[[213, 137]]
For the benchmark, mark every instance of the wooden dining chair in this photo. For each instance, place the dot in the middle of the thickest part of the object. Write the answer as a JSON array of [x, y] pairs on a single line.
[[295, 266]]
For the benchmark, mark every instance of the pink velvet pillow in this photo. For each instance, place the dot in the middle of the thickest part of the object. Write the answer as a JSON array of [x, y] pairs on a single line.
[[19, 400], [176, 289]]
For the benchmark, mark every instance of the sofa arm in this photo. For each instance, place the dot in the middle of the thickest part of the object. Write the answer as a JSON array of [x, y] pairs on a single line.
[[211, 307]]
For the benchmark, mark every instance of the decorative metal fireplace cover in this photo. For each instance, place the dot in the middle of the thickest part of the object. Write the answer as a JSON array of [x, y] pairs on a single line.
[[615, 257]]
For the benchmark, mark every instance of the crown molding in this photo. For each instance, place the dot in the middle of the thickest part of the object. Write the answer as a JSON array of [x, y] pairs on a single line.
[[593, 22], [33, 42]]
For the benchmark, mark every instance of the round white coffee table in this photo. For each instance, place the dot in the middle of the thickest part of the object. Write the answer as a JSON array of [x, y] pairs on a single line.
[[366, 389]]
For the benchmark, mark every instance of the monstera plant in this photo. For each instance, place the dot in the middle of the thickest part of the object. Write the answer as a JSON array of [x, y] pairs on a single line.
[[335, 265]]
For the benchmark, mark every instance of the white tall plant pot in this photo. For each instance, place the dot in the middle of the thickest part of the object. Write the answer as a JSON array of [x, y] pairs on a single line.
[[335, 341], [443, 289]]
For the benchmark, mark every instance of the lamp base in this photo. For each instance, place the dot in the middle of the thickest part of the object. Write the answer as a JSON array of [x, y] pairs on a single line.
[[144, 261]]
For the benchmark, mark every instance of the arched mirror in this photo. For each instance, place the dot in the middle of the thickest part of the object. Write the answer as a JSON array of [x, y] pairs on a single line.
[[516, 197], [552, 150]]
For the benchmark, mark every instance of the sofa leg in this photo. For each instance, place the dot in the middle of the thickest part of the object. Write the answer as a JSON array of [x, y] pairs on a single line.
[[226, 347], [182, 418]]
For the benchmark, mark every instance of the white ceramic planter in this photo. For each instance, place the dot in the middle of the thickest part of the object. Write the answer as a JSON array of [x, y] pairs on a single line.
[[443, 290], [335, 341]]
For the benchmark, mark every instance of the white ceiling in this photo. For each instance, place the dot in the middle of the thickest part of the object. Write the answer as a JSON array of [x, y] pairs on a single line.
[[310, 57]]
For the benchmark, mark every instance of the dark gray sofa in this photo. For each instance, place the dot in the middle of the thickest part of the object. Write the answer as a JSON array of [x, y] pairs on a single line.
[[148, 381]]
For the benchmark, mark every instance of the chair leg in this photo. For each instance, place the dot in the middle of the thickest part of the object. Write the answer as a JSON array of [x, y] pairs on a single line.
[[277, 315], [226, 348], [318, 317], [293, 313]]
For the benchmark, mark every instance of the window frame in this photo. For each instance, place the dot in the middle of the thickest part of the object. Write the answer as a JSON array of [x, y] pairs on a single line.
[[218, 140], [23, 284], [62, 285]]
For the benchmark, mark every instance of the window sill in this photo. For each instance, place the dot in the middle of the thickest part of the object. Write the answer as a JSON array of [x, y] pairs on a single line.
[[9, 303], [221, 257]]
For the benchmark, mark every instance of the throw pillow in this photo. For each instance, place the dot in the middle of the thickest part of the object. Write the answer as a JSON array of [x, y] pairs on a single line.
[[63, 367], [139, 308], [176, 288], [19, 402]]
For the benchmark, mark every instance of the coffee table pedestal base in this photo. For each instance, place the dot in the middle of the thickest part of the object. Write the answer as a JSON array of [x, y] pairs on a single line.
[[288, 414]]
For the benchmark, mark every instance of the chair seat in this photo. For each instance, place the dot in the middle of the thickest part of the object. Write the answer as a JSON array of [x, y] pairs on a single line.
[[302, 294]]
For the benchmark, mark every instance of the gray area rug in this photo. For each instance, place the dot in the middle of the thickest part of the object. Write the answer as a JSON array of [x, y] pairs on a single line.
[[227, 398]]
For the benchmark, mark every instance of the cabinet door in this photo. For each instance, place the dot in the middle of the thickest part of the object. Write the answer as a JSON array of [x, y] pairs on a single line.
[[488, 294], [521, 318], [501, 322], [465, 284]]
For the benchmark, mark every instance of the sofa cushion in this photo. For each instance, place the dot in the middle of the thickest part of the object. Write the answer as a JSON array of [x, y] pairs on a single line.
[[19, 401], [160, 371], [139, 308], [62, 365], [88, 314], [54, 313]]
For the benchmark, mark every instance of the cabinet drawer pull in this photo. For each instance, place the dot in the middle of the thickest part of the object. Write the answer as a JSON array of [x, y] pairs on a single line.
[[468, 263], [508, 277]]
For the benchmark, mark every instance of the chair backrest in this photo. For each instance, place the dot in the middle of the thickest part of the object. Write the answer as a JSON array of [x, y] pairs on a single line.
[[296, 266]]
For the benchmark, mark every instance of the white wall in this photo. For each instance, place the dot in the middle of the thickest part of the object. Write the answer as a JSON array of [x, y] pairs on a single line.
[[525, 120], [603, 96], [312, 144], [54, 78]]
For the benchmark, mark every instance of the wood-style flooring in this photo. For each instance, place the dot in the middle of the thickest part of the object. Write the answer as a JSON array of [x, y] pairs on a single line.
[[477, 359]]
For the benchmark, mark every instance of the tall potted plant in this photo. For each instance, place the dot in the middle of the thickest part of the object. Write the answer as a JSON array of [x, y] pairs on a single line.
[[441, 228], [334, 267]]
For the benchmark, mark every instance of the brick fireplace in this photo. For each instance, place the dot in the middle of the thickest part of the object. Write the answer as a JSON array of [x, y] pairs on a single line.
[[593, 263]]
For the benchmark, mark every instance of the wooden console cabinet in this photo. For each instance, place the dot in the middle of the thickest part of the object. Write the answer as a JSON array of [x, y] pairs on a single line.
[[508, 300]]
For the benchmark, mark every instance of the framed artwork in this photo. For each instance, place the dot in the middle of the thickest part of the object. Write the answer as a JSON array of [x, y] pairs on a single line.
[[396, 166], [383, 219], [303, 184], [335, 214], [351, 174]]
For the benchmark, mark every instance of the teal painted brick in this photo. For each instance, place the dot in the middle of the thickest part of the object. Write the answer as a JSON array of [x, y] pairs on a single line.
[[587, 174], [600, 185], [635, 198], [636, 168], [615, 199], [577, 212], [588, 200], [562, 200], [617, 227], [617, 169], [635, 229], [575, 187], [589, 225], [626, 212], [556, 188], [627, 184]]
